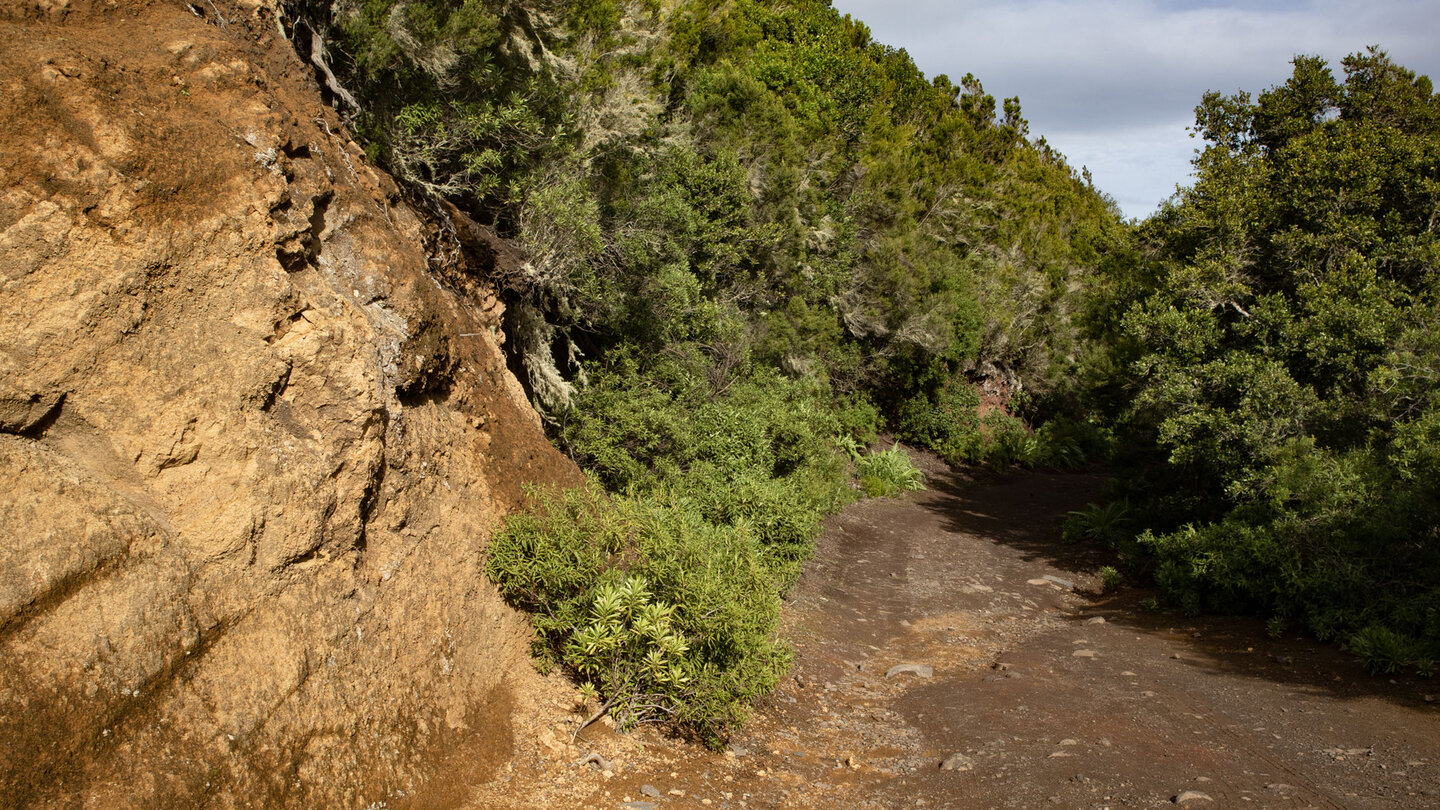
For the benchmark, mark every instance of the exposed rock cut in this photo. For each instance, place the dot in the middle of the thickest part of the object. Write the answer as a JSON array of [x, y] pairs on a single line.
[[252, 445]]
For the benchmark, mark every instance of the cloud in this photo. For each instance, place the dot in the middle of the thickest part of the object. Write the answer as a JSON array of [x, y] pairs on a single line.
[[1139, 166], [1130, 70]]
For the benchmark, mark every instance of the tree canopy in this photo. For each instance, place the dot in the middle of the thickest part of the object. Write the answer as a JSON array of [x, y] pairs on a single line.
[[1280, 337]]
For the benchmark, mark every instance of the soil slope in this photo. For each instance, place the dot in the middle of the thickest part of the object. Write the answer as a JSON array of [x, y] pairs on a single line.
[[1035, 694], [253, 439]]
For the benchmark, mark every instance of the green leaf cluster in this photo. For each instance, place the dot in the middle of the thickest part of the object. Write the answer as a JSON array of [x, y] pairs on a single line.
[[756, 453], [667, 616], [886, 473]]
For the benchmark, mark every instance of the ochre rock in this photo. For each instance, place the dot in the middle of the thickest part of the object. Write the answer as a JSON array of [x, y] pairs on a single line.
[[252, 442]]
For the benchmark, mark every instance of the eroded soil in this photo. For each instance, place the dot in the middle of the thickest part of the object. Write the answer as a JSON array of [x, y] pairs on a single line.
[[1051, 696]]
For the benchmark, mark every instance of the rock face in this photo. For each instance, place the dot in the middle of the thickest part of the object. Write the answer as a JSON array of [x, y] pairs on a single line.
[[252, 441]]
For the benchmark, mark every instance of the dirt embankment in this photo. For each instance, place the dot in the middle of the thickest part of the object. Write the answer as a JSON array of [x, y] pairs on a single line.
[[252, 445]]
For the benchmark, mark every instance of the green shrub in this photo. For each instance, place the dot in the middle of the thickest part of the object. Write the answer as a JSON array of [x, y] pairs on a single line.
[[947, 421], [1382, 650], [1110, 577], [1005, 440], [1103, 522], [630, 652], [548, 558], [669, 618], [1065, 444], [886, 473], [757, 454]]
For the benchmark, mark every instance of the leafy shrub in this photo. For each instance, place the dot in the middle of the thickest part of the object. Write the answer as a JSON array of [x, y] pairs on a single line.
[[631, 652], [947, 421], [886, 473], [1382, 650], [756, 453], [1103, 522], [548, 558], [1110, 577], [1005, 440], [668, 617], [1065, 444]]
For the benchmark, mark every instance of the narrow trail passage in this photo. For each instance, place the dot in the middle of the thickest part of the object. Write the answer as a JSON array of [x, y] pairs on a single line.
[[940, 630]]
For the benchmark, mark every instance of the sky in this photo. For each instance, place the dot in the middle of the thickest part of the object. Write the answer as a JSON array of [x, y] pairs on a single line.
[[1113, 84]]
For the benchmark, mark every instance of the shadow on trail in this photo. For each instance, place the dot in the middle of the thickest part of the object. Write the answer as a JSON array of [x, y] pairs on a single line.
[[1022, 510], [1025, 511], [1240, 646]]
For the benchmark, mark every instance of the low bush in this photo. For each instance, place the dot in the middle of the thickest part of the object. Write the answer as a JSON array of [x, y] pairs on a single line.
[[1383, 651], [1005, 440], [756, 454], [1110, 577], [886, 473], [662, 615], [1103, 522], [1065, 444], [946, 421]]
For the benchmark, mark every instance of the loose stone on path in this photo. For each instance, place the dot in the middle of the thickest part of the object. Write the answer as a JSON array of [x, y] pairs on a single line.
[[957, 762], [918, 670]]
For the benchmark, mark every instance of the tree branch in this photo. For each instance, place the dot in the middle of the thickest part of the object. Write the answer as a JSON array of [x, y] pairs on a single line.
[[317, 58], [599, 713]]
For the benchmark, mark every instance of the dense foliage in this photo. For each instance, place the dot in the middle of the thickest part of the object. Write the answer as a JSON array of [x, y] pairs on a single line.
[[758, 182], [754, 235], [756, 238], [1281, 350]]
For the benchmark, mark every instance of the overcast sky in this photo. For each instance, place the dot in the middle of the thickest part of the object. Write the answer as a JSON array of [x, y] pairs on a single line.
[[1113, 84]]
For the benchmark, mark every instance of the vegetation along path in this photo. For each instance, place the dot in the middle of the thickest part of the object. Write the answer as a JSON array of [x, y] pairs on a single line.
[[944, 660]]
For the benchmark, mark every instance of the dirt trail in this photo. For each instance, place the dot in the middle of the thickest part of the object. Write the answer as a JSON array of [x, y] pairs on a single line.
[[1049, 696]]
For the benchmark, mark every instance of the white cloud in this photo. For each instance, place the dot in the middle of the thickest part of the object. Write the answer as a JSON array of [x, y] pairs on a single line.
[[1139, 166], [1105, 81]]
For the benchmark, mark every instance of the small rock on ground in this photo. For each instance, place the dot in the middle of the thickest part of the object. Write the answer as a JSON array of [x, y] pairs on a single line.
[[957, 762], [651, 791], [1191, 796], [918, 670]]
